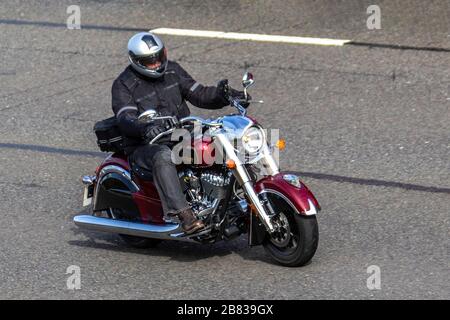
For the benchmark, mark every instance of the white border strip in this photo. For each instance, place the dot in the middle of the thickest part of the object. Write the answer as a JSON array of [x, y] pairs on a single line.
[[249, 37]]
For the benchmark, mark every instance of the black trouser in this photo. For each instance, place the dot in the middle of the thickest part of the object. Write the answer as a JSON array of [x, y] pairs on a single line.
[[155, 160]]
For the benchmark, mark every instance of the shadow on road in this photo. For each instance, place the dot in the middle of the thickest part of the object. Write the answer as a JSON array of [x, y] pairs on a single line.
[[175, 250], [46, 149]]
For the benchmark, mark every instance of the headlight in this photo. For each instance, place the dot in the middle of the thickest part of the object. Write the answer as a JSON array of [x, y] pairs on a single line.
[[253, 139]]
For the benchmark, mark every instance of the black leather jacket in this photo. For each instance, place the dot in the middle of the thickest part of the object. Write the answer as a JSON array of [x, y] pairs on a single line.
[[132, 94]]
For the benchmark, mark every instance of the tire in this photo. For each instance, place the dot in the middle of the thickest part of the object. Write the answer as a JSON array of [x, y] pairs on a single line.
[[304, 231], [133, 241]]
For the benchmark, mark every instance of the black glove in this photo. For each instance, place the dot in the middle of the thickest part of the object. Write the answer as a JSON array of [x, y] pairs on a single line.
[[223, 89], [226, 92], [151, 130], [241, 96]]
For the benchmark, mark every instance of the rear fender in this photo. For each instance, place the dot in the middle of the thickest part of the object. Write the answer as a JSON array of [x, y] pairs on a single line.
[[114, 189]]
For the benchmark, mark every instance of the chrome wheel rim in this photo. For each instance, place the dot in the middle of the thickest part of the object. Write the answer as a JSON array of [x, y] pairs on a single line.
[[283, 235]]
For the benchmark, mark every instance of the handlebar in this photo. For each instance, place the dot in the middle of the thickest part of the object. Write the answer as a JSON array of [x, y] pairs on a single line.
[[201, 120], [234, 102]]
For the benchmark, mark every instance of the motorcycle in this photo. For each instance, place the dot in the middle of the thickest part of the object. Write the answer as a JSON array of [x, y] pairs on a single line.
[[240, 195]]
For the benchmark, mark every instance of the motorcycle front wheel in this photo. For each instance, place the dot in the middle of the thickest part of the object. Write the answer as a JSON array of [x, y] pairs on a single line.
[[295, 242]]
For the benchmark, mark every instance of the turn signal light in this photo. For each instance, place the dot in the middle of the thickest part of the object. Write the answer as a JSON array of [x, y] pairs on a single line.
[[280, 144], [230, 164]]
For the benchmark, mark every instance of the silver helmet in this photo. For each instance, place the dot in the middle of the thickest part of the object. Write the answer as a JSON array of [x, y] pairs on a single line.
[[147, 54]]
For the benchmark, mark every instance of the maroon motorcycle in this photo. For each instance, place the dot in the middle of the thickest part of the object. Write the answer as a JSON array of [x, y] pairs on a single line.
[[243, 193]]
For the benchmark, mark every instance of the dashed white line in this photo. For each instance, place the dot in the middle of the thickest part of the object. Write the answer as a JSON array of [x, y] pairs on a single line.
[[249, 37]]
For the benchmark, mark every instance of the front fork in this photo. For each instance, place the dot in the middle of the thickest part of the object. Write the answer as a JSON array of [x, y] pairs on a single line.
[[242, 176]]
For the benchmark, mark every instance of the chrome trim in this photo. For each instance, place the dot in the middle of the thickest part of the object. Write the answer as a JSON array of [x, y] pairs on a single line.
[[164, 118], [241, 174], [162, 134], [269, 162], [264, 140], [116, 169], [202, 121], [182, 236], [112, 169], [235, 103], [88, 180], [312, 208], [167, 231], [124, 109], [210, 210]]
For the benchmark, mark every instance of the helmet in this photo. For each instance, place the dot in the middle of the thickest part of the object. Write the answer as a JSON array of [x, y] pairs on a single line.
[[147, 54]]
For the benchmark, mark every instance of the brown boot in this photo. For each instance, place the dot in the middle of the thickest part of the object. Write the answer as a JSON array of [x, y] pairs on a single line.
[[189, 222]]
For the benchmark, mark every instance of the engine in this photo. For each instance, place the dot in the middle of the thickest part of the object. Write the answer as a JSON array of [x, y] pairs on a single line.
[[204, 189]]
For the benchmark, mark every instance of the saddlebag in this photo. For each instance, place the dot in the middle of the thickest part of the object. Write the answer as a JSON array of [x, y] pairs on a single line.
[[109, 137]]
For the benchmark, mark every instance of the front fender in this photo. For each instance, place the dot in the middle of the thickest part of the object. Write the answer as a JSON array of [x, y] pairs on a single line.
[[301, 198]]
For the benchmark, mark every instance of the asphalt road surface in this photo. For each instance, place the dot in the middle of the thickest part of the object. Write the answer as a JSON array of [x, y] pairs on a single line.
[[366, 124]]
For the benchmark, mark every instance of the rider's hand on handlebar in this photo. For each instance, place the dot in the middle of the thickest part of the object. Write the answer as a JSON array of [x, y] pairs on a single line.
[[240, 95], [151, 130], [227, 92], [223, 89]]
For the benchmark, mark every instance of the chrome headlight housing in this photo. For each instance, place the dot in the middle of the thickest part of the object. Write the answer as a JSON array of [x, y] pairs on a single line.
[[253, 139]]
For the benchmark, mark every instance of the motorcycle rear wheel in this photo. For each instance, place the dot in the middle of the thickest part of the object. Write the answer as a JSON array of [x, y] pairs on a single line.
[[296, 243], [133, 241]]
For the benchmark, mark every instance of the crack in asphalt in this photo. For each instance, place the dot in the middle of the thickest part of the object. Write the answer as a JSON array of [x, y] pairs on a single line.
[[314, 175], [371, 45], [46, 149], [65, 52], [64, 25], [374, 182]]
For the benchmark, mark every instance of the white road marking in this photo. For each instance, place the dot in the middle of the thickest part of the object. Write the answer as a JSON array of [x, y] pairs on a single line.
[[249, 37]]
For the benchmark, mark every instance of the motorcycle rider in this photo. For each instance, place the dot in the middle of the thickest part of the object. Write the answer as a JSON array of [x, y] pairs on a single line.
[[151, 81]]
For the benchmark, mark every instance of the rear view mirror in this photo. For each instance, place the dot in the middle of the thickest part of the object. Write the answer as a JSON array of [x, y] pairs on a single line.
[[247, 80]]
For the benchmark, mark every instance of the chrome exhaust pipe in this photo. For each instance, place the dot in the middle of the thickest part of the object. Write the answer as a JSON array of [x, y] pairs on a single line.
[[168, 231]]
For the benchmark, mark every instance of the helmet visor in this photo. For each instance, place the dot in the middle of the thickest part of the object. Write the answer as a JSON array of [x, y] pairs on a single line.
[[152, 62]]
